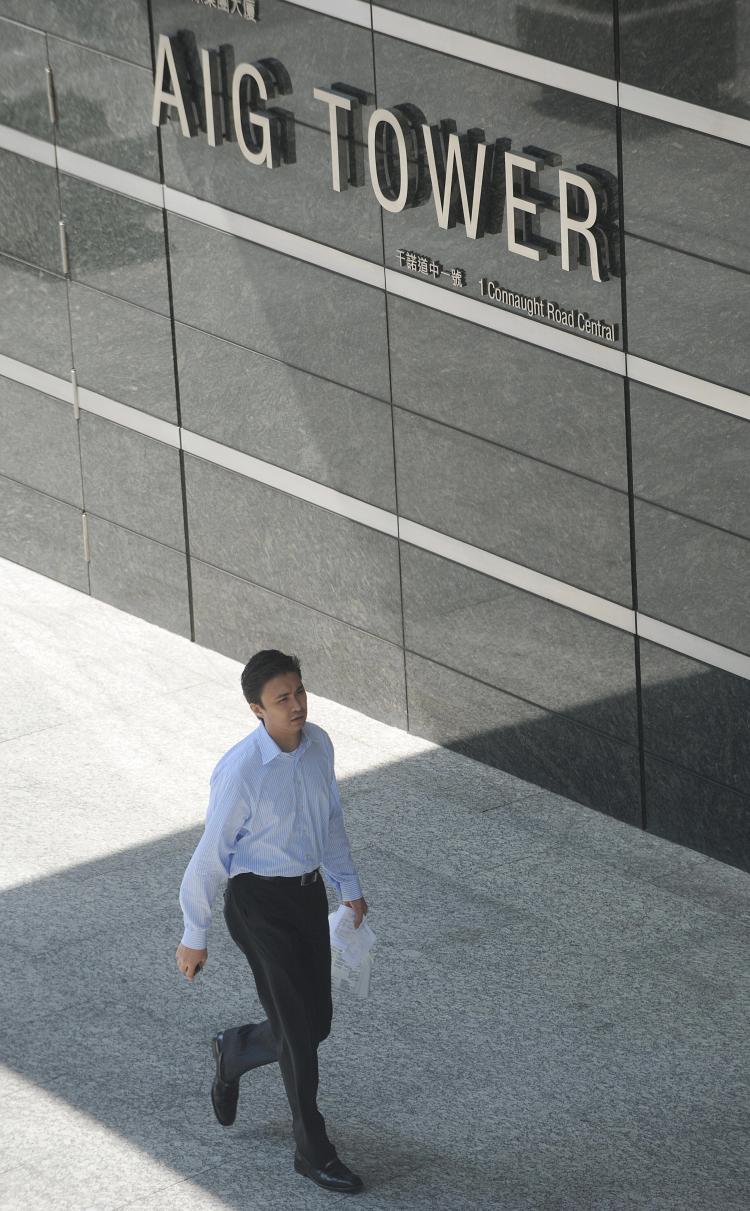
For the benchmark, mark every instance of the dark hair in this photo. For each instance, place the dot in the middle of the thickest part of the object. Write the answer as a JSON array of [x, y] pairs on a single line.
[[261, 667]]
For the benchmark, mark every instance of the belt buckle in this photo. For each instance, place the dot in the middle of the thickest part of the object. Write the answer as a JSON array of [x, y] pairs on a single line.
[[309, 877]]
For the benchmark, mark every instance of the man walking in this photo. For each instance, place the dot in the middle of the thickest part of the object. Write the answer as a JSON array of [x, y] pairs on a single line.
[[274, 821]]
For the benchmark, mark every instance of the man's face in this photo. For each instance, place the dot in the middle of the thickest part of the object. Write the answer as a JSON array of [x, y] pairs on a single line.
[[283, 704]]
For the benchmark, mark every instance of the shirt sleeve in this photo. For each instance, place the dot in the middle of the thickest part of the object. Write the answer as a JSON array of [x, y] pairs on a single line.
[[209, 866], [338, 864]]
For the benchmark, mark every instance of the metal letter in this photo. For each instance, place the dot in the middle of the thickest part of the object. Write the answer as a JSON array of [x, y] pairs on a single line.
[[454, 161], [165, 58], [576, 226], [211, 97], [335, 102], [386, 195], [257, 151], [515, 203]]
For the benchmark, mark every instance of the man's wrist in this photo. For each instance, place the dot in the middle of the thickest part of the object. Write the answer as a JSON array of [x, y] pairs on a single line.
[[194, 938], [350, 891]]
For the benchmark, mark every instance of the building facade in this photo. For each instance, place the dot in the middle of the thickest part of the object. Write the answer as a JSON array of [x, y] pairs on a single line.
[[411, 337]]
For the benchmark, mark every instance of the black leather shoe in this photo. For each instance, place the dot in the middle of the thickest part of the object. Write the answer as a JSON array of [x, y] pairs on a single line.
[[333, 1176], [224, 1094]]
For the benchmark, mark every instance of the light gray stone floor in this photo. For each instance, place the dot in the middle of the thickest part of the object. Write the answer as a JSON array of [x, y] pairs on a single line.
[[560, 1006]]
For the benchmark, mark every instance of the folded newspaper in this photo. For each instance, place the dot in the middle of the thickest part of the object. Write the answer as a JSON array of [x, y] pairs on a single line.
[[351, 960]]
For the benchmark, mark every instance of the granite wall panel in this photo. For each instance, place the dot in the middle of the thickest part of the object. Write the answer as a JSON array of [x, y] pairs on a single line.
[[121, 29], [690, 458], [29, 212], [115, 243], [132, 480], [123, 351], [104, 108], [695, 51], [299, 550], [296, 420], [519, 643], [43, 534], [39, 442], [34, 325], [513, 506], [577, 32], [298, 313], [139, 575], [23, 84], [696, 716], [693, 576], [697, 813], [524, 739], [530, 400], [340, 662]]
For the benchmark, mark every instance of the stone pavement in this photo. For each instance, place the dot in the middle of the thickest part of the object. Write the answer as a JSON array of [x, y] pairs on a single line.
[[559, 1010]]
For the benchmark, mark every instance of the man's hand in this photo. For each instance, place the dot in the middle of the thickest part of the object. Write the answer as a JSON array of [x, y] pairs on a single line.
[[190, 961], [359, 906]]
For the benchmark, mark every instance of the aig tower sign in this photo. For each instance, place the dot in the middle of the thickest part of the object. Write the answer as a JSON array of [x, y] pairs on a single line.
[[481, 184]]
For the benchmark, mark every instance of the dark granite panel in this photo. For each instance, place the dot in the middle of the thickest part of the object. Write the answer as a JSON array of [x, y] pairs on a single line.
[[115, 243], [315, 50], [297, 197], [39, 442], [693, 576], [139, 576], [29, 212], [576, 32], [574, 128], [697, 813], [520, 643], [34, 317], [525, 740], [681, 189], [42, 534], [132, 480], [123, 351], [696, 715], [288, 417], [689, 49], [291, 547], [338, 661], [104, 108], [307, 316], [514, 506], [23, 82], [533, 401], [690, 458], [120, 28], [688, 313]]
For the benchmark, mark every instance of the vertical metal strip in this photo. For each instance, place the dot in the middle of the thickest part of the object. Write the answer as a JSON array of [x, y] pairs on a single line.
[[76, 405], [86, 548], [51, 100], [64, 248]]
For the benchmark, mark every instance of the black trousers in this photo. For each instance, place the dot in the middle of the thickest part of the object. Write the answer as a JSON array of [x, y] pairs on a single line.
[[282, 929]]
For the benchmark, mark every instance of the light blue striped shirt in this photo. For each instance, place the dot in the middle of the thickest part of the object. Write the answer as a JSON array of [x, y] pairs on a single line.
[[273, 813]]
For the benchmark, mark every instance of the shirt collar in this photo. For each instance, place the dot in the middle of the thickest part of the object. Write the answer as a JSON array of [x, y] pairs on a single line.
[[270, 749]]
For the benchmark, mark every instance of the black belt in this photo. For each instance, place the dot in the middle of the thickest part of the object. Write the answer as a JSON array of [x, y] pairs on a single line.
[[310, 877]]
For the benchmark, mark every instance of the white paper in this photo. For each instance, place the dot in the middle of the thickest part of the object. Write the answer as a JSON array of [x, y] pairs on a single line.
[[351, 952], [353, 943], [354, 980]]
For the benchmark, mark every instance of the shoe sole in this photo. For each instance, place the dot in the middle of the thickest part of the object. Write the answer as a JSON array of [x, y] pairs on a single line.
[[333, 1189]]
